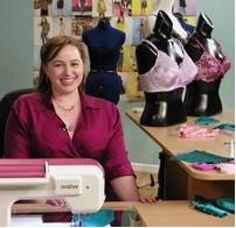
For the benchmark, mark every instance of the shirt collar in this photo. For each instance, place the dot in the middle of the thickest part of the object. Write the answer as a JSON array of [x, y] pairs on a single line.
[[86, 101]]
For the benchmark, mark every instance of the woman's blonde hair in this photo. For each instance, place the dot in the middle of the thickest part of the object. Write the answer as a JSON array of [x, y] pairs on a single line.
[[48, 52]]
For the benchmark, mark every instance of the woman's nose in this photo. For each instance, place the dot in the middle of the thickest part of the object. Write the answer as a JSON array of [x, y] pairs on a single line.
[[67, 69]]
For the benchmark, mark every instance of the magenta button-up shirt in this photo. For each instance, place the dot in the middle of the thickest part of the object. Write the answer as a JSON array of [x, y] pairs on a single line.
[[34, 130]]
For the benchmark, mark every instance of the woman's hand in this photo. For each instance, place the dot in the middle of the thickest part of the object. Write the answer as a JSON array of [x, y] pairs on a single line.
[[56, 202], [147, 199]]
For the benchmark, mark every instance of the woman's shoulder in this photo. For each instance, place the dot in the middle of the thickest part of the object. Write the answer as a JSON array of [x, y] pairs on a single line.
[[30, 100], [29, 97]]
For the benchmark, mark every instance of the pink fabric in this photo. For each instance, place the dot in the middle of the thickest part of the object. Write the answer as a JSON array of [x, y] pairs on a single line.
[[196, 131], [226, 168], [203, 166], [34, 130], [166, 74], [209, 67]]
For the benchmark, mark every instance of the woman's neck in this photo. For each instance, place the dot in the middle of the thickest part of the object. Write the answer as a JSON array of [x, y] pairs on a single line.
[[68, 99]]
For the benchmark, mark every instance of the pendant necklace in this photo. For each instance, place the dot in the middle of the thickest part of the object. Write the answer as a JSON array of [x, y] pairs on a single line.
[[71, 108]]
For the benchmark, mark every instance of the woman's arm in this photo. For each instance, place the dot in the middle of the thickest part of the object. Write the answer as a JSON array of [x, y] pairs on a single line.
[[16, 136], [125, 188]]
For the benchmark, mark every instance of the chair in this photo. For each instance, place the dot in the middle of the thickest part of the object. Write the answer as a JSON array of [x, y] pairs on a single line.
[[5, 107]]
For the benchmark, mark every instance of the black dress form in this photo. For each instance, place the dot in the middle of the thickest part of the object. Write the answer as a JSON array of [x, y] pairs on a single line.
[[104, 45], [161, 108], [202, 98]]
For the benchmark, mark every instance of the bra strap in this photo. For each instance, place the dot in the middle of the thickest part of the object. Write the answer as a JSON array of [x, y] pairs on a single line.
[[151, 47], [199, 43]]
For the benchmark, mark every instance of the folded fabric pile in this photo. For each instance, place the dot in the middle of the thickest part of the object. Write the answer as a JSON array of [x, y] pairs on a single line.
[[219, 207], [226, 127], [206, 120], [226, 168], [200, 156]]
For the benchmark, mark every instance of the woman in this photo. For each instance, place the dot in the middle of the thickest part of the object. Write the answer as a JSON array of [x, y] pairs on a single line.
[[61, 122]]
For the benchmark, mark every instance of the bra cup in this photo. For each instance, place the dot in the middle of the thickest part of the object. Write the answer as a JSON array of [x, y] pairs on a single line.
[[225, 66], [189, 70], [167, 75], [209, 67], [167, 78], [162, 77]]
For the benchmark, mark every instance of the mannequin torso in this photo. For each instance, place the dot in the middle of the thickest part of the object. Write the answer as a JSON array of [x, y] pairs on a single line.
[[104, 44], [166, 6], [160, 52], [202, 95]]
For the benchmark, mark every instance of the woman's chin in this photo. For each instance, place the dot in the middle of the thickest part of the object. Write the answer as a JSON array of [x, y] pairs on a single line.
[[69, 89]]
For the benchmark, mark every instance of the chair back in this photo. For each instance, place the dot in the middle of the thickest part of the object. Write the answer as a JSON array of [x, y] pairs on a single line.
[[5, 107]]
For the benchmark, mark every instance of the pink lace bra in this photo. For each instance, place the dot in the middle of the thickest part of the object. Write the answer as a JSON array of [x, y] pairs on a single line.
[[209, 67], [166, 74]]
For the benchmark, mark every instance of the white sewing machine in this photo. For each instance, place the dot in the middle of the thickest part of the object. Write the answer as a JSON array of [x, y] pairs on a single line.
[[79, 181]]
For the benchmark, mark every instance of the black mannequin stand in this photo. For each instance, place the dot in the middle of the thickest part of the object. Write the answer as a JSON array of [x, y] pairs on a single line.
[[162, 108]]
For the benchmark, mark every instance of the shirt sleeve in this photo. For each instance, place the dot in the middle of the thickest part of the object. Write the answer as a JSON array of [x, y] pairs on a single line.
[[17, 137], [116, 163]]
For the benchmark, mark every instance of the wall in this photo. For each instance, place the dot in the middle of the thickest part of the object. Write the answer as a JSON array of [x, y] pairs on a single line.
[[16, 47], [16, 42], [222, 15]]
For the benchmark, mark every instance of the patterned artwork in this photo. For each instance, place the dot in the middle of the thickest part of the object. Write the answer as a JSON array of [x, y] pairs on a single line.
[[186, 7], [73, 17]]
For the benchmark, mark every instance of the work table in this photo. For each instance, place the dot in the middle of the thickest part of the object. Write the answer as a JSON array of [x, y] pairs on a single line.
[[161, 213]]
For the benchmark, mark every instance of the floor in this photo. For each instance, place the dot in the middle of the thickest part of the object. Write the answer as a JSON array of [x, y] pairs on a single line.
[[147, 184]]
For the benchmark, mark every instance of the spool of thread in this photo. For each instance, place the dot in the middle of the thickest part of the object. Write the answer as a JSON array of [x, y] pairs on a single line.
[[232, 150]]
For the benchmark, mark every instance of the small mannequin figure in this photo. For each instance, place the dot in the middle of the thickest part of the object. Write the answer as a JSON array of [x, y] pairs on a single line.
[[104, 45], [143, 6], [60, 6], [62, 26], [164, 70], [44, 30], [202, 95], [101, 8], [82, 6], [166, 6], [182, 6], [44, 8]]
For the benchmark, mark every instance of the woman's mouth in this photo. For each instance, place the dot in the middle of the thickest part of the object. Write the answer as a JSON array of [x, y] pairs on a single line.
[[68, 81]]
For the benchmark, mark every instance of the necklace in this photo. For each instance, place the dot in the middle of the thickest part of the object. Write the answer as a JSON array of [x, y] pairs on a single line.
[[64, 108]]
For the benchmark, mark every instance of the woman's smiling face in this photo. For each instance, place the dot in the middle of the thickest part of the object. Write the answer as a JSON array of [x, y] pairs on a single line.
[[65, 71]]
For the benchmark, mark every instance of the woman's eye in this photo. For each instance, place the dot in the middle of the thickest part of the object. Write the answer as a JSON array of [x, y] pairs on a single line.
[[75, 64], [57, 65]]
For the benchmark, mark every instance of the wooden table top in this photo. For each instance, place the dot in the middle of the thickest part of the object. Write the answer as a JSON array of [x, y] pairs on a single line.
[[172, 144], [161, 213]]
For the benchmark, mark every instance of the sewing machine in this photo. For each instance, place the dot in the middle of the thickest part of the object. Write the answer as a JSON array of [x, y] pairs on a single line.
[[80, 182]]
